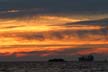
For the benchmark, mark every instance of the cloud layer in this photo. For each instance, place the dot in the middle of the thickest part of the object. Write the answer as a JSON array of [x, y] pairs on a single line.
[[39, 30]]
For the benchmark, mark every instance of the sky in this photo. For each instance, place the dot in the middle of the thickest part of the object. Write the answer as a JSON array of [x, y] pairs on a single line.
[[38, 30]]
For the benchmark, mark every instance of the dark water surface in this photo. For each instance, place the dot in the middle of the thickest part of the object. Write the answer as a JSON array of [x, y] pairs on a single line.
[[53, 66]]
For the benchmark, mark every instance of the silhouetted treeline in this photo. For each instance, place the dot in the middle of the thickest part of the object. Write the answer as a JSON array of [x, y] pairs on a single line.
[[56, 60], [86, 58]]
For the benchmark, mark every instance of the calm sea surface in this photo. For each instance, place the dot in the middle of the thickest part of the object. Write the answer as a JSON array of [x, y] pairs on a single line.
[[53, 66]]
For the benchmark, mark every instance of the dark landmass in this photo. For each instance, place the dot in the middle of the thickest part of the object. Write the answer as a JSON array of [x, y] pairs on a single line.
[[56, 60], [87, 58]]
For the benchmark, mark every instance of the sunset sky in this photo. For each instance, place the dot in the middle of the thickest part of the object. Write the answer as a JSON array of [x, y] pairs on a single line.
[[43, 29]]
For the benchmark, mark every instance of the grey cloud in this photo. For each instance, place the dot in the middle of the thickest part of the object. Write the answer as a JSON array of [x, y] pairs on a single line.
[[35, 7], [64, 35], [61, 6], [79, 34], [73, 51], [101, 22], [22, 13], [37, 55], [11, 27], [32, 36], [67, 53], [34, 53], [70, 51]]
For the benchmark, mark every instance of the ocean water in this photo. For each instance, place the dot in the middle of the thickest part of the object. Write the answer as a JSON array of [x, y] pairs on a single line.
[[53, 66]]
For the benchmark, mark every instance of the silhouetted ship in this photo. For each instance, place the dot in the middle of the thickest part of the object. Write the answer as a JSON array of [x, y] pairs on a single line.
[[56, 60], [88, 58]]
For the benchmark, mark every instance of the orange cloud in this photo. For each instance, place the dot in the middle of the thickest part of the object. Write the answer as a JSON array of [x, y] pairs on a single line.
[[24, 50], [94, 51], [20, 37]]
